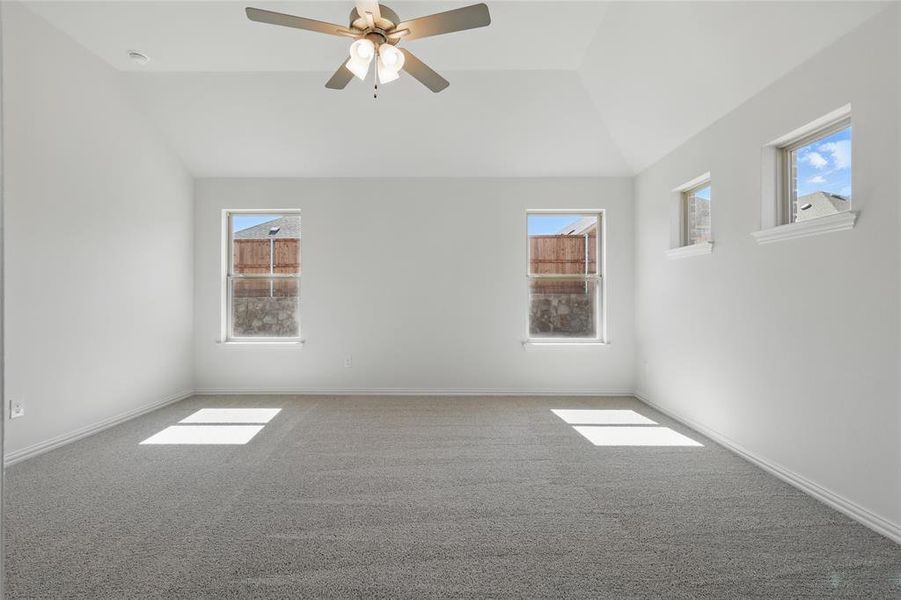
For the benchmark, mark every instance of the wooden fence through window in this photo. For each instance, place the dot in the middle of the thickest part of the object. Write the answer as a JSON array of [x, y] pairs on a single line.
[[562, 255], [280, 256]]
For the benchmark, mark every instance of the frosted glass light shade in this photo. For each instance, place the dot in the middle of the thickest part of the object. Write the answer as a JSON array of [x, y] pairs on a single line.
[[358, 67], [362, 49], [392, 58], [386, 75], [361, 53]]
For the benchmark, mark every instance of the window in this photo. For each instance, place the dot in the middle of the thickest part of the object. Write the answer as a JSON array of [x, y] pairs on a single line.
[[690, 225], [565, 278], [806, 181], [816, 173], [262, 283], [696, 214]]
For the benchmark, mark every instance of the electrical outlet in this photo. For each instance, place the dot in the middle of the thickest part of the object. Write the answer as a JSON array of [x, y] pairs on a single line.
[[348, 362], [16, 409]]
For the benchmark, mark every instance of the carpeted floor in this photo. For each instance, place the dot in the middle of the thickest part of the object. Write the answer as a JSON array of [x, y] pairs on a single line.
[[405, 497]]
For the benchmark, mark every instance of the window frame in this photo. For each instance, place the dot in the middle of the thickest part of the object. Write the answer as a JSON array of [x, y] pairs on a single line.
[[227, 335], [685, 194], [599, 280], [787, 165]]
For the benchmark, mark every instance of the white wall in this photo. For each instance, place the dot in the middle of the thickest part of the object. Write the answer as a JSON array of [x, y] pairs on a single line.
[[790, 350], [421, 281], [2, 285], [98, 241]]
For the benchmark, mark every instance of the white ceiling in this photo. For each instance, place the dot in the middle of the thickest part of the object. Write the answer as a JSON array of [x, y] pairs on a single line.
[[499, 123], [551, 88], [660, 72]]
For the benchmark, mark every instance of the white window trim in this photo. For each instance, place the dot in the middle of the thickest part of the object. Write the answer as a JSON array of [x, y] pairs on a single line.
[[226, 340], [692, 250], [678, 223], [776, 198], [800, 229], [529, 342], [541, 343], [274, 343]]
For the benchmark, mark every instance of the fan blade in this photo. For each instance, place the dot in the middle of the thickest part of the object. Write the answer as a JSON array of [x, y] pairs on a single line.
[[341, 78], [349, 33], [369, 6], [398, 34], [460, 19], [274, 18], [423, 72]]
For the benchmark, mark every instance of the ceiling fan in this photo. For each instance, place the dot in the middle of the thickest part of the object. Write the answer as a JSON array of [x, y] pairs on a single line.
[[377, 30]]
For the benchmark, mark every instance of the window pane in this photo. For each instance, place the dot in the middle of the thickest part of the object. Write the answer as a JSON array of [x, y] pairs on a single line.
[[563, 244], [265, 307], [266, 244], [564, 309], [697, 215], [821, 177]]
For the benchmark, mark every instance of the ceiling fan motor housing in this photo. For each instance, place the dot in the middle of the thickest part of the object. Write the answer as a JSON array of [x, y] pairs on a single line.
[[384, 24]]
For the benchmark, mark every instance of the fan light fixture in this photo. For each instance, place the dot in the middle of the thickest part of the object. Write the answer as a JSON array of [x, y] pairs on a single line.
[[361, 53], [386, 75], [391, 57], [390, 60]]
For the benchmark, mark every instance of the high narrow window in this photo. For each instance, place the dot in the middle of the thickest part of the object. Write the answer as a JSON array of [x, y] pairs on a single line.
[[696, 214], [263, 279], [817, 173], [565, 278]]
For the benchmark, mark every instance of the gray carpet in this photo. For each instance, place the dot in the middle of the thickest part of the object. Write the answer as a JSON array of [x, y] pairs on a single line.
[[403, 497]]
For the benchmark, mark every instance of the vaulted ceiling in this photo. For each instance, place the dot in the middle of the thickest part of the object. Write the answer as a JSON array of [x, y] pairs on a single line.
[[551, 88]]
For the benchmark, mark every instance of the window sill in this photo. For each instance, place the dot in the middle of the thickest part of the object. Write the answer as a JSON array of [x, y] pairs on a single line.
[[531, 345], [790, 231], [693, 250], [268, 344]]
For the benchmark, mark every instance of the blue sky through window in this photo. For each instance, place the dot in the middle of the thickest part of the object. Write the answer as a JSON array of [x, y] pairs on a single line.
[[703, 193], [825, 165], [240, 222], [550, 224]]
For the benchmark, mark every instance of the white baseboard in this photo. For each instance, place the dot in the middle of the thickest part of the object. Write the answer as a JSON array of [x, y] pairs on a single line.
[[256, 391], [21, 454], [840, 503]]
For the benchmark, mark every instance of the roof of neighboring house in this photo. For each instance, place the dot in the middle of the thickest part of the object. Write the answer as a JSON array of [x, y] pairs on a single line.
[[288, 227], [821, 204], [579, 227]]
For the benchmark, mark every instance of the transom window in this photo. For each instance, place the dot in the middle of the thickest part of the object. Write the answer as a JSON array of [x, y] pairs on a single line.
[[262, 284], [817, 173], [565, 278]]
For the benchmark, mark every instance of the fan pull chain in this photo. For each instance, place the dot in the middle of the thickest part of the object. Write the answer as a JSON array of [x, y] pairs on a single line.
[[375, 78]]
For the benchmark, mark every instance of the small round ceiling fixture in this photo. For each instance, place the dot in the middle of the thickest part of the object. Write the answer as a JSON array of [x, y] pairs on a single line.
[[138, 57]]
